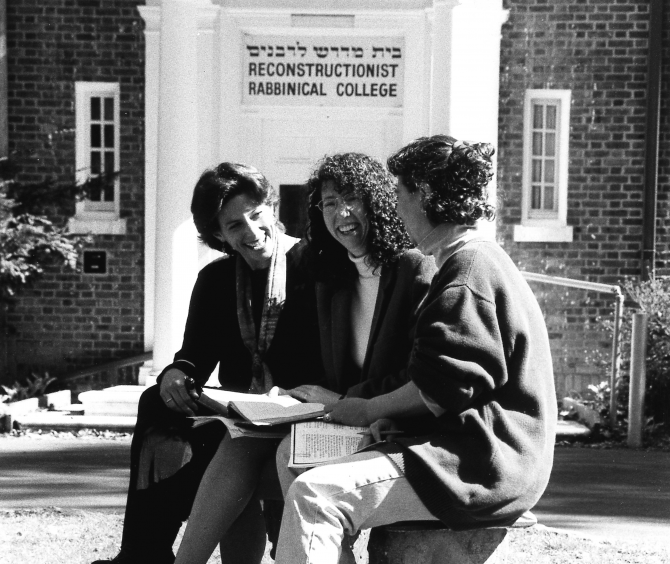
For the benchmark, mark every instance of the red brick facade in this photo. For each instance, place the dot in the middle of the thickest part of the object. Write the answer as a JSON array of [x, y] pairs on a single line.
[[598, 49], [70, 320]]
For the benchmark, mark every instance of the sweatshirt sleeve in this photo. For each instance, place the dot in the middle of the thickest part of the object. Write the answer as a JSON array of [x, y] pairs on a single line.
[[458, 351]]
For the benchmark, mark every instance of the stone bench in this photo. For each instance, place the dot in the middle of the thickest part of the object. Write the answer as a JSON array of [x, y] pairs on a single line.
[[430, 542]]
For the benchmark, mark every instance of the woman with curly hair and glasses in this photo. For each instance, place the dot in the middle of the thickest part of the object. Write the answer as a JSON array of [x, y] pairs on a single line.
[[479, 409], [369, 289], [369, 284]]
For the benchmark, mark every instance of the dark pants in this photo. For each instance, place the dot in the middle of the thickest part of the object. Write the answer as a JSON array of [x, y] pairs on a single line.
[[154, 514]]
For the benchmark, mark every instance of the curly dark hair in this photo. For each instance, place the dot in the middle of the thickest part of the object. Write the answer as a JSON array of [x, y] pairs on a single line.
[[366, 177], [452, 175], [216, 187]]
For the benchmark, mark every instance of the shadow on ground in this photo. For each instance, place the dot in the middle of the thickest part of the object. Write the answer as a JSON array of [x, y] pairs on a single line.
[[608, 494]]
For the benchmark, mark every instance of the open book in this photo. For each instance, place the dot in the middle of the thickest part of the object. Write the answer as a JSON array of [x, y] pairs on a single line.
[[314, 443], [260, 409], [255, 415]]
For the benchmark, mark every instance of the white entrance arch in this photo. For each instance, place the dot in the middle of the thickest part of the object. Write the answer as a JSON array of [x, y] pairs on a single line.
[[200, 108]]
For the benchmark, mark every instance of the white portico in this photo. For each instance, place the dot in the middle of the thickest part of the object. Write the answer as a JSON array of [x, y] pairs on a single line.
[[278, 84]]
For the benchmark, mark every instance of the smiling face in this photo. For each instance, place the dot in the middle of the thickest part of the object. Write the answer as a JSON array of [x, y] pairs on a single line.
[[346, 218], [247, 227]]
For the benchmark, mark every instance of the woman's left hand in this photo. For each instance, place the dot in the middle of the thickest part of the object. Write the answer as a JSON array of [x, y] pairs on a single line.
[[349, 411], [313, 394]]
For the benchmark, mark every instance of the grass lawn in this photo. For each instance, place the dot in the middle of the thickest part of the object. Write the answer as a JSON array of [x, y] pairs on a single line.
[[54, 536]]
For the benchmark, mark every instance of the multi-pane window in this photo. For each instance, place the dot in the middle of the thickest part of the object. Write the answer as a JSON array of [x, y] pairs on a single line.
[[546, 134], [97, 114]]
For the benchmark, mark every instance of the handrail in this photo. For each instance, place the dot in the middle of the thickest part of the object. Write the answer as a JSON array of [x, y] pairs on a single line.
[[618, 316], [572, 283], [114, 365]]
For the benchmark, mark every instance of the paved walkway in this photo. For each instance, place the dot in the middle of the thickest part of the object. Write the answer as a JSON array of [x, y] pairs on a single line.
[[607, 494]]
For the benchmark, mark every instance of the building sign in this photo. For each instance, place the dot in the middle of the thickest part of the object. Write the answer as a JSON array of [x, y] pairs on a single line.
[[323, 71]]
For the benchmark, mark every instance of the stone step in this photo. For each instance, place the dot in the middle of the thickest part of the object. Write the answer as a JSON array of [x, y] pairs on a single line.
[[57, 421], [114, 401]]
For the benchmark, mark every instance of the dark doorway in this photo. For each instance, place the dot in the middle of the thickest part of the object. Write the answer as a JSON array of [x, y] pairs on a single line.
[[293, 208]]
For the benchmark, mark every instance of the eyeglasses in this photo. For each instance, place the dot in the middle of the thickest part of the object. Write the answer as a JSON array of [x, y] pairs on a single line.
[[349, 202]]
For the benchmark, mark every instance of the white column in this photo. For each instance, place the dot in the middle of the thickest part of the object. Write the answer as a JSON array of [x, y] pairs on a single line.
[[466, 70], [151, 16], [177, 172], [441, 80]]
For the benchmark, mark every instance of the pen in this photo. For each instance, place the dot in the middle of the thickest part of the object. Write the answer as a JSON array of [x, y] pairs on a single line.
[[368, 433]]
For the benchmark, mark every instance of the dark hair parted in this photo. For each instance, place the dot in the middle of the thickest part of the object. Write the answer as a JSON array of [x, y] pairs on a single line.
[[219, 185], [452, 175], [387, 237]]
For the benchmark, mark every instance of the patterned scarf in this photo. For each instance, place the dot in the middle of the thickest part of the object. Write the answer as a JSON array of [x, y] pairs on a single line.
[[273, 303]]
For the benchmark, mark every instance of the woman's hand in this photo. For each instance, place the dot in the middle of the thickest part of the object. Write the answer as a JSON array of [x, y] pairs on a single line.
[[379, 432], [313, 394], [349, 411], [175, 395]]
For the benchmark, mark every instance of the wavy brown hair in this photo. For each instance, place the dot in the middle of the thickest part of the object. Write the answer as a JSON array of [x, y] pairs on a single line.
[[453, 176], [216, 187], [387, 237]]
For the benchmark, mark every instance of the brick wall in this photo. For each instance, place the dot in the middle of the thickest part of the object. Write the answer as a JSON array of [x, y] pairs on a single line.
[[597, 49], [71, 320]]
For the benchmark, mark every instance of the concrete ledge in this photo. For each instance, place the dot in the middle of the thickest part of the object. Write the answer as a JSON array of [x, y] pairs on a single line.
[[414, 543], [117, 400], [53, 421], [571, 430]]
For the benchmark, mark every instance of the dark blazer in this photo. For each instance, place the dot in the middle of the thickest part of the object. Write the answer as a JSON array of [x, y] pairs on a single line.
[[212, 332], [402, 289]]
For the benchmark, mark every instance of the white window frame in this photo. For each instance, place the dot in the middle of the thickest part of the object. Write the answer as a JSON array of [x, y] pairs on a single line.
[[96, 217], [547, 227]]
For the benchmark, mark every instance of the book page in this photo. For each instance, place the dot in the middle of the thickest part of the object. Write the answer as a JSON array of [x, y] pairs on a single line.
[[224, 396], [237, 428], [266, 413], [314, 443]]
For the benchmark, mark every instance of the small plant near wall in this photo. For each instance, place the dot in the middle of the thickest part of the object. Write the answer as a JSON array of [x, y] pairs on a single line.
[[34, 387], [653, 298]]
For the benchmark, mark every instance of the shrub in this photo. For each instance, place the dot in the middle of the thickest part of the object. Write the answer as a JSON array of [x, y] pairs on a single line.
[[35, 386], [653, 298], [32, 231]]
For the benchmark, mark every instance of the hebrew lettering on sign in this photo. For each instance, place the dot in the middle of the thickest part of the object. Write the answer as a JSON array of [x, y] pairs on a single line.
[[321, 51]]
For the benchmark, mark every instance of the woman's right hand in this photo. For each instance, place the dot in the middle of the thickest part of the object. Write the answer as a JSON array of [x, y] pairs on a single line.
[[380, 430], [175, 395], [313, 394]]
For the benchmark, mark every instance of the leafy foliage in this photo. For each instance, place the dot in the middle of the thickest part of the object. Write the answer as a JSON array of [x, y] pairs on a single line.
[[653, 298], [32, 231], [35, 386]]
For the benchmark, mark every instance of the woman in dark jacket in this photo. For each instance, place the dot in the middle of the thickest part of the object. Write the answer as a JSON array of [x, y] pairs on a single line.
[[254, 313], [369, 284], [479, 413]]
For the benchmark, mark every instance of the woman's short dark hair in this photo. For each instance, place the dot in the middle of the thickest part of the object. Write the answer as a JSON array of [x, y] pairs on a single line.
[[366, 177], [216, 187], [453, 176]]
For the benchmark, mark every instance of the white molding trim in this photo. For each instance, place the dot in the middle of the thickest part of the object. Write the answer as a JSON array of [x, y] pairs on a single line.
[[97, 223], [545, 233], [550, 229], [92, 217]]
